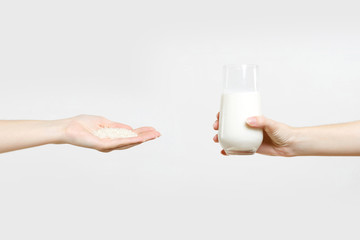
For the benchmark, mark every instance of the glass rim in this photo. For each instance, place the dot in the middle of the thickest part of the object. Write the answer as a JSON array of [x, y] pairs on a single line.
[[243, 77], [241, 65]]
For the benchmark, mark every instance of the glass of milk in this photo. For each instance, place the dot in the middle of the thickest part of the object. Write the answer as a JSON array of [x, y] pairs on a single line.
[[240, 100]]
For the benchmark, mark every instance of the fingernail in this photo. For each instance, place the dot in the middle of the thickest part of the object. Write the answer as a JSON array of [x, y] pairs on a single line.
[[251, 121]]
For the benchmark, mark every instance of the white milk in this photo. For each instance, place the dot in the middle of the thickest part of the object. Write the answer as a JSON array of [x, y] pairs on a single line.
[[234, 135]]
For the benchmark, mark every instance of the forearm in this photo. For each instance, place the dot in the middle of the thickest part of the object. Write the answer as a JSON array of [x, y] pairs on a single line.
[[329, 140], [20, 134]]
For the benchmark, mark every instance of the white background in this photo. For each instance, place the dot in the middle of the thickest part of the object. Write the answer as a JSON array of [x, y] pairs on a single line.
[[159, 63]]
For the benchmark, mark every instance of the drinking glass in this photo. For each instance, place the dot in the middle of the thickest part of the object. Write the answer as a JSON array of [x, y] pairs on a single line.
[[240, 99]]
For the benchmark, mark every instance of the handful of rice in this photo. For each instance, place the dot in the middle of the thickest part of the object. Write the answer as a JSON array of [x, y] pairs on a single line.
[[113, 133]]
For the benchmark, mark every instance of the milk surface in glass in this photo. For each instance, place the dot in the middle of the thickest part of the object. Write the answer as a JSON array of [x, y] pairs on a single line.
[[240, 100]]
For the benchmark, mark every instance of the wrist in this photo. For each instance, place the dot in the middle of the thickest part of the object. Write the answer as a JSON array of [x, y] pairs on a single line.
[[57, 129], [298, 141]]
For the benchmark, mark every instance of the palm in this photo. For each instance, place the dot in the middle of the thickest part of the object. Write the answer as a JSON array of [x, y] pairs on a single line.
[[79, 132], [274, 142]]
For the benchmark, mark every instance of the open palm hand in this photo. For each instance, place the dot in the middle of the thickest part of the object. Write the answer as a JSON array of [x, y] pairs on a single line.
[[79, 130]]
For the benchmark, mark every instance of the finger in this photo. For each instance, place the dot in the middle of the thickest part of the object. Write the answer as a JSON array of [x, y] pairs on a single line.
[[218, 115], [128, 146], [121, 147], [216, 125], [149, 135], [223, 152], [266, 149], [108, 144], [144, 129], [261, 122], [158, 134], [111, 124], [216, 138]]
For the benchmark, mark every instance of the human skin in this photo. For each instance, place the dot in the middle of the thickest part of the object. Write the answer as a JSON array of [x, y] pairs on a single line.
[[20, 134], [283, 140]]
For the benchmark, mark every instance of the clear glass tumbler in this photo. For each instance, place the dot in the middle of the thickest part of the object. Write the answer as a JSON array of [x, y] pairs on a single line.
[[240, 100]]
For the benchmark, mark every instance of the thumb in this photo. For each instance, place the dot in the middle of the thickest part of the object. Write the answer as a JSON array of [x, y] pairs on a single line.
[[261, 122]]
